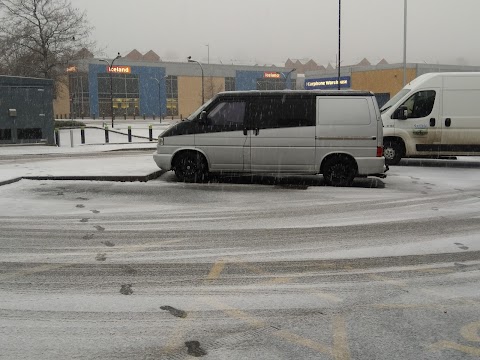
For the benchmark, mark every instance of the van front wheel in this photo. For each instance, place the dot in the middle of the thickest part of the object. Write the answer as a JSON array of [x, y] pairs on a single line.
[[393, 152], [191, 167], [339, 171]]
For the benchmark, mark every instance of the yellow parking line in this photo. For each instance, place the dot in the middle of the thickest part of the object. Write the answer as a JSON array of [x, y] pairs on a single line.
[[32, 271], [341, 350], [216, 270], [471, 332], [449, 345]]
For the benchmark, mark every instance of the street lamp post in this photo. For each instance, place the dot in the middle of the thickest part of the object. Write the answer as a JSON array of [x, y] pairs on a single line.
[[159, 97], [201, 67], [110, 66], [286, 77], [208, 53], [404, 42], [339, 38]]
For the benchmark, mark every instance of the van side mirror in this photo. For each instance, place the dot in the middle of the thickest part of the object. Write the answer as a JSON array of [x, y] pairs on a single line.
[[203, 116], [401, 113]]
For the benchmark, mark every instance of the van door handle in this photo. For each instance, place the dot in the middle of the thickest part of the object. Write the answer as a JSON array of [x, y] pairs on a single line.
[[448, 122], [432, 122]]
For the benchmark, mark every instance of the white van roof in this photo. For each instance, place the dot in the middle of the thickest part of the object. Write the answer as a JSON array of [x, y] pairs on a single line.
[[434, 79]]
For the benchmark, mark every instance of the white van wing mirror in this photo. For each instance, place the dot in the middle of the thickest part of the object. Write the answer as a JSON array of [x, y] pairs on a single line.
[[203, 116], [401, 113]]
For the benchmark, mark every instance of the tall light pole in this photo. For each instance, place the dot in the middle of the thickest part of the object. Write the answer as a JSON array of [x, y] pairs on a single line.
[[404, 42], [208, 53], [159, 96], [286, 78], [201, 67], [339, 38], [110, 70]]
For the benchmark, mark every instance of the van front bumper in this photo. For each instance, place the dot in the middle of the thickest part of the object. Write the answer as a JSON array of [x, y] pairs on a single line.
[[163, 161]]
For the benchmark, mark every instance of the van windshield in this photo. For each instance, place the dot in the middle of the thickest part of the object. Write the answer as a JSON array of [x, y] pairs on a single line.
[[195, 114], [394, 100]]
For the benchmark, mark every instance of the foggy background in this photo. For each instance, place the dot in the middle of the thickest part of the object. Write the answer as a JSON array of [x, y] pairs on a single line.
[[270, 31]]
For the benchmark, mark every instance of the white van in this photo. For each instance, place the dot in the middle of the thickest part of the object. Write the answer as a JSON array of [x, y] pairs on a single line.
[[437, 114], [338, 134]]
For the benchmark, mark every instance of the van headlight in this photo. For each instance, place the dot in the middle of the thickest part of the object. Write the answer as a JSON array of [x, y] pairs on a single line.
[[160, 140]]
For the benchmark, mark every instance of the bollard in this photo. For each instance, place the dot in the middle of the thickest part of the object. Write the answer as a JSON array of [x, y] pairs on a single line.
[[172, 117], [71, 138], [107, 140], [144, 116], [82, 135], [93, 116], [57, 137], [153, 117], [129, 134], [181, 117], [103, 115], [134, 116], [82, 115], [150, 133], [125, 116]]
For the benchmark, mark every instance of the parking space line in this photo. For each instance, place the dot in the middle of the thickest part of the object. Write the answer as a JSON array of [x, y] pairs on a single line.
[[216, 270], [259, 323], [449, 345], [471, 332], [341, 350]]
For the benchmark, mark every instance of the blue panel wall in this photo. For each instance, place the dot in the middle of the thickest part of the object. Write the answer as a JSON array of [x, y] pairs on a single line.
[[247, 80], [148, 88]]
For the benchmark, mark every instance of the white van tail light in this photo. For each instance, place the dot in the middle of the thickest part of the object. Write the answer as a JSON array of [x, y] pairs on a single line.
[[379, 151]]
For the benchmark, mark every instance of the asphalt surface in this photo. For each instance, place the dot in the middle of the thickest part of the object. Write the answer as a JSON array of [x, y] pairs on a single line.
[[244, 267]]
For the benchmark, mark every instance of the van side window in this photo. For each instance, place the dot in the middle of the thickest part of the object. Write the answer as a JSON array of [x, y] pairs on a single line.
[[283, 112], [420, 104], [227, 116]]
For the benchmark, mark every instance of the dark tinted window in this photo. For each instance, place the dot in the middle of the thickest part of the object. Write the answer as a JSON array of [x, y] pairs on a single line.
[[420, 104], [282, 112], [29, 134], [5, 134], [227, 115]]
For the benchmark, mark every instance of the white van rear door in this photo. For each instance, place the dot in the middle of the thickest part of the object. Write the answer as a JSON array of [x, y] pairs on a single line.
[[461, 117]]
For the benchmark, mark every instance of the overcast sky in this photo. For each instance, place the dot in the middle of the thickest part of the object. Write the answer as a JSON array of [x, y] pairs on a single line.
[[270, 31]]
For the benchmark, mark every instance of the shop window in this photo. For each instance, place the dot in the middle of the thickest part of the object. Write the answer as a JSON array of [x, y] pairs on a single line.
[[29, 134], [5, 134]]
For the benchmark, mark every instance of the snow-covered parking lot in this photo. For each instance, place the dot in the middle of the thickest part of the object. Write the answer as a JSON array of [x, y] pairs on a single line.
[[243, 267]]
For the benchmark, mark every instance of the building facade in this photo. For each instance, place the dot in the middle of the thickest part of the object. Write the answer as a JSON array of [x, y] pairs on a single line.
[[385, 80], [140, 88]]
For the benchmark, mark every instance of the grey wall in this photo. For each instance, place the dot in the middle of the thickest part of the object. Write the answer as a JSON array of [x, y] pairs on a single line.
[[33, 101]]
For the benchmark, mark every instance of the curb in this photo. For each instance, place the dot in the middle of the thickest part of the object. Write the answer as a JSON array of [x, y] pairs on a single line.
[[122, 178]]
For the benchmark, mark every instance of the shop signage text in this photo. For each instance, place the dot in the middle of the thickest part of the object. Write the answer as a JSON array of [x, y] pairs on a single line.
[[119, 69], [271, 75], [328, 83]]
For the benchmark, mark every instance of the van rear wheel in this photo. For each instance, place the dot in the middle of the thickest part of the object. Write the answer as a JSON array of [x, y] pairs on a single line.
[[393, 152], [191, 167], [339, 171]]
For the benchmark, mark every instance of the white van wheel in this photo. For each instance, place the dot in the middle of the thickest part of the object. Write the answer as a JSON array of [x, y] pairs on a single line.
[[191, 167], [393, 152], [339, 171]]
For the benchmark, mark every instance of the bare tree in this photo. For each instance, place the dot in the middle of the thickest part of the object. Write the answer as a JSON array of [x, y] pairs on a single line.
[[40, 37]]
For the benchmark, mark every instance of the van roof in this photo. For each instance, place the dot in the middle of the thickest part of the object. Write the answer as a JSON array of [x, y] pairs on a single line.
[[428, 76], [299, 92]]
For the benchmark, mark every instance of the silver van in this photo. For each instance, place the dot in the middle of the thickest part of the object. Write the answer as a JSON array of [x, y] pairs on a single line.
[[337, 134]]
